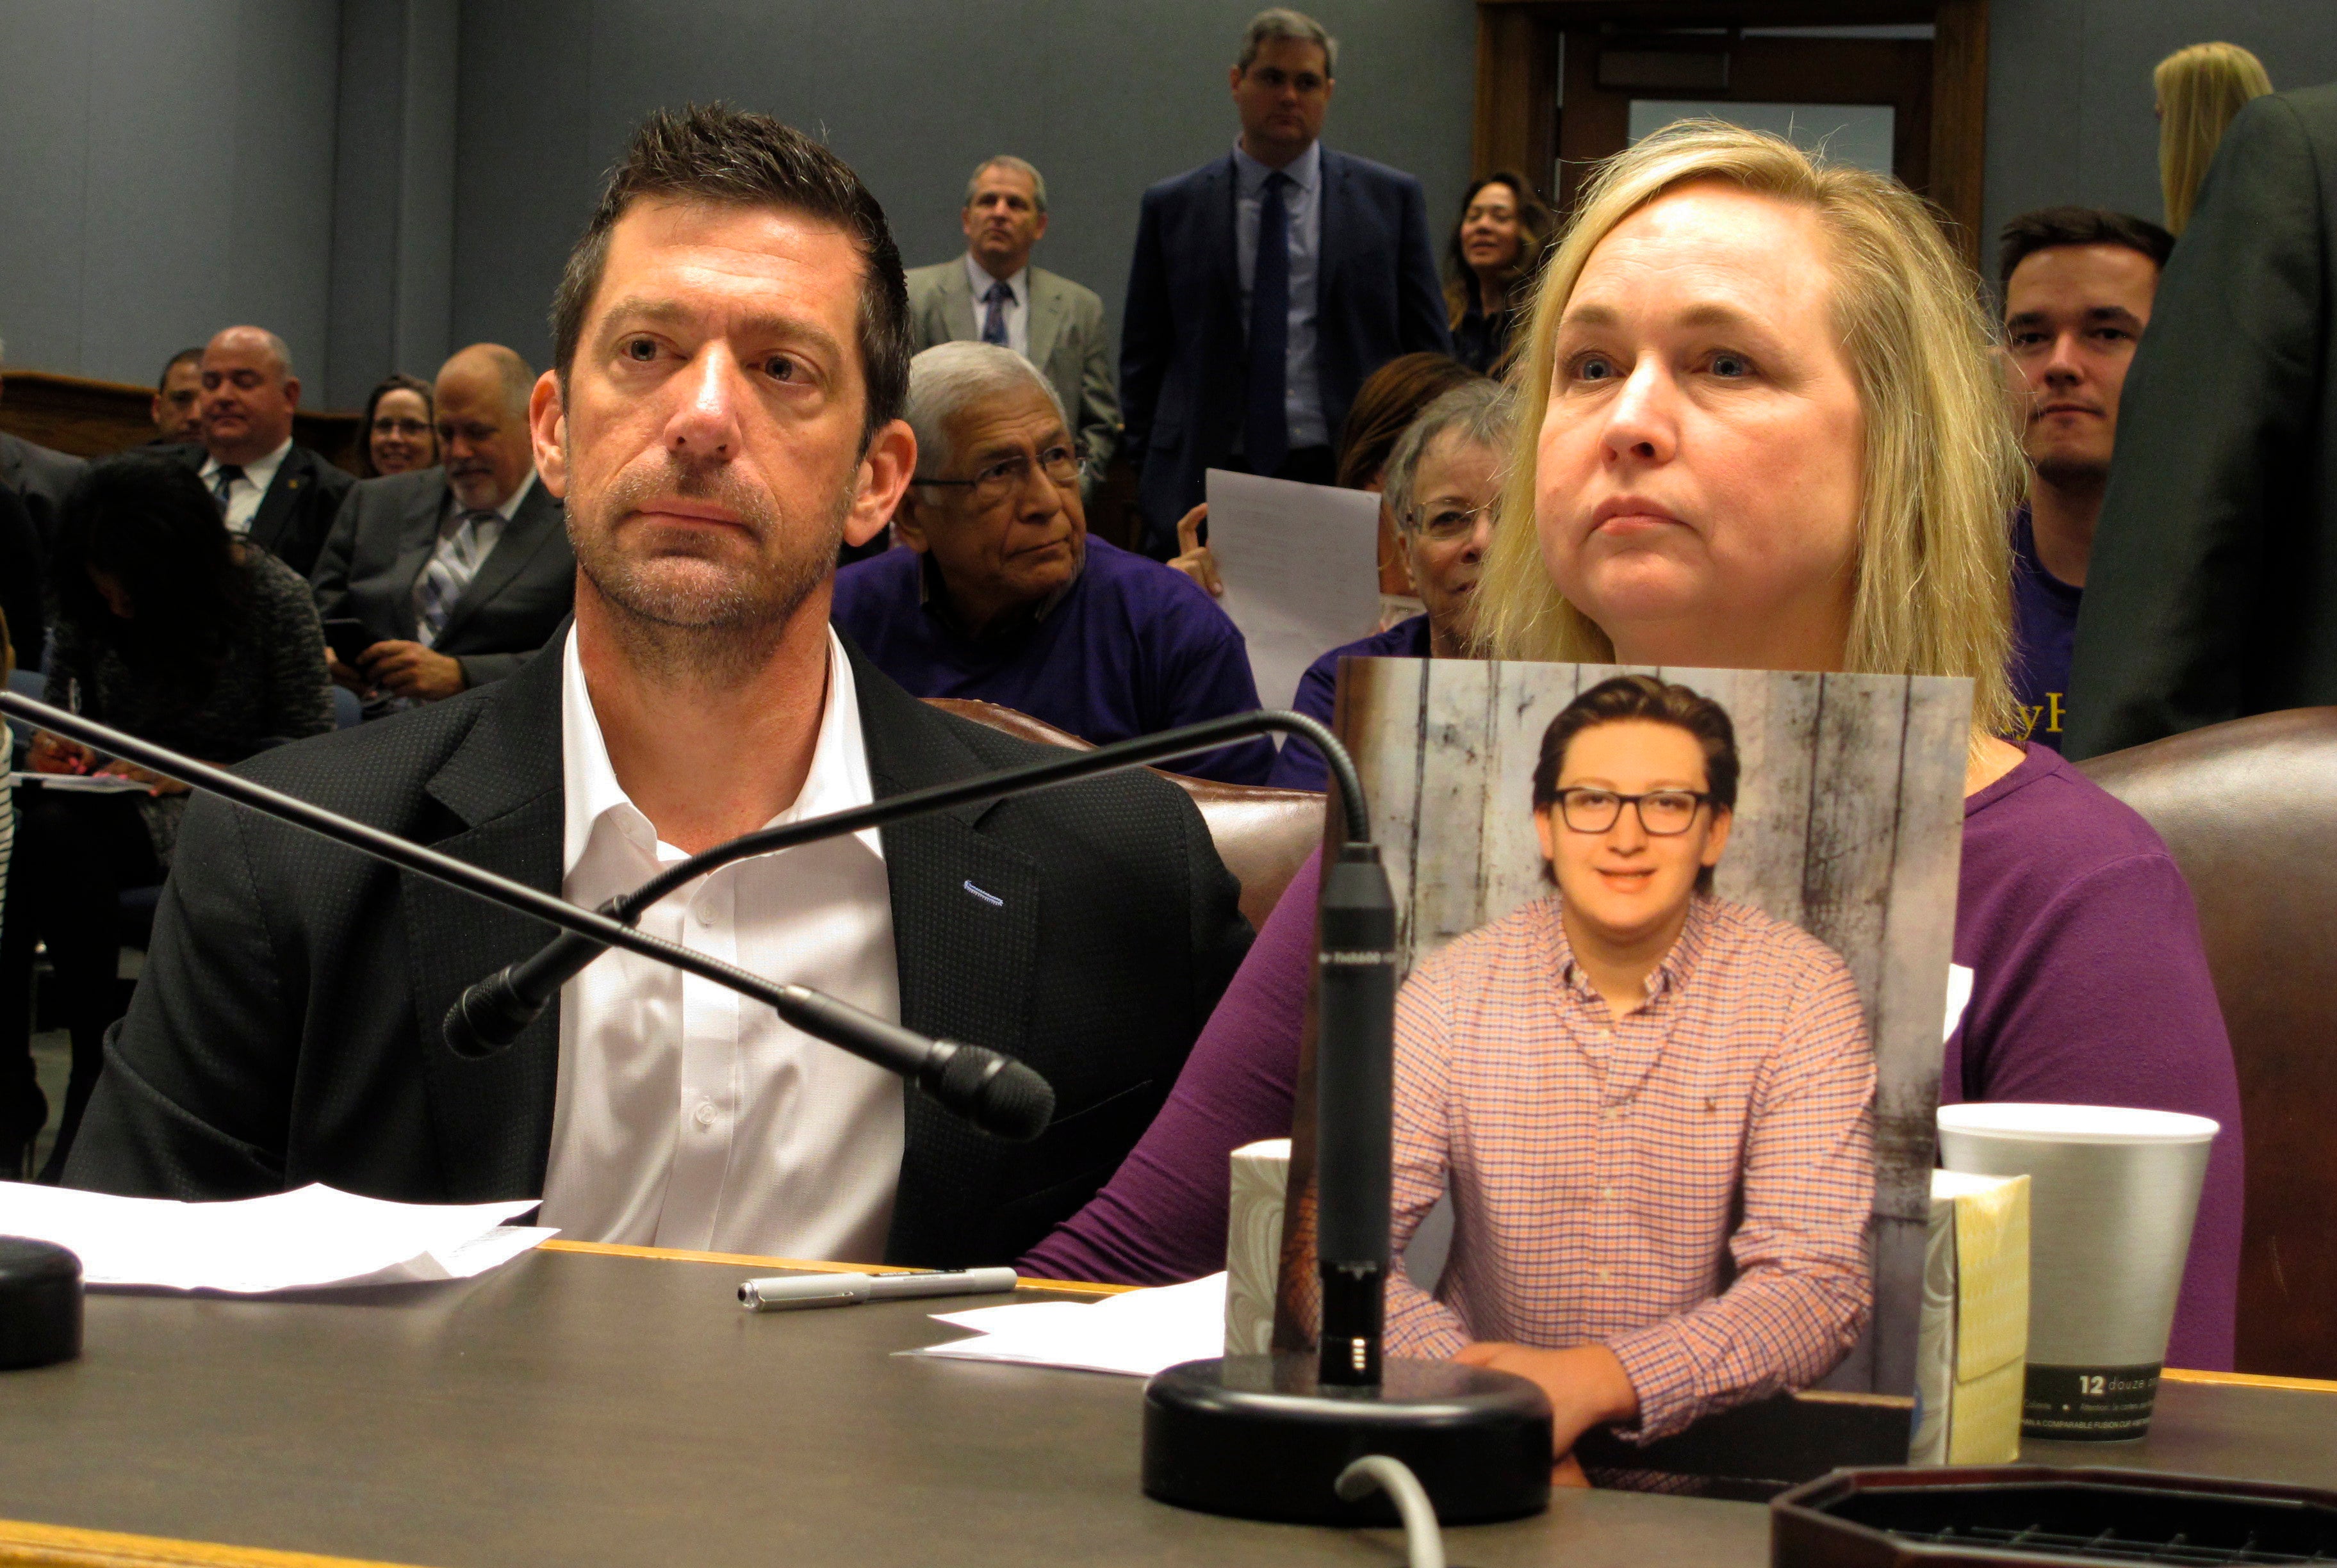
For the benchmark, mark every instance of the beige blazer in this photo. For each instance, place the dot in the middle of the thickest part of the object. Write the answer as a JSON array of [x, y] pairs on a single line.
[[1067, 344]]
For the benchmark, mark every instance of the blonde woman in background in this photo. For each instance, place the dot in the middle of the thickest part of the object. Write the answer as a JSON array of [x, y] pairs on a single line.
[[2199, 90], [1760, 426]]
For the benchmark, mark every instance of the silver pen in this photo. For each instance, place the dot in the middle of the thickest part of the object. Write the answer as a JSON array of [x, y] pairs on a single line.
[[795, 1292]]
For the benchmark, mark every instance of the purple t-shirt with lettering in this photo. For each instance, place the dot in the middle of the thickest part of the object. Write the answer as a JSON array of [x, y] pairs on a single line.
[[2044, 636], [2089, 987]]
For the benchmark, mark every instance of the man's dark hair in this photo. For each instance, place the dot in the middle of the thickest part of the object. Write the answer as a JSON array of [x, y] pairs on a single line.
[[2050, 228], [184, 357], [709, 152], [1643, 697]]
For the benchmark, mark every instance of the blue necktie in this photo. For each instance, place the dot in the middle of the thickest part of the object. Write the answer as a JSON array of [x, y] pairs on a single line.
[[223, 483], [1265, 432], [994, 325]]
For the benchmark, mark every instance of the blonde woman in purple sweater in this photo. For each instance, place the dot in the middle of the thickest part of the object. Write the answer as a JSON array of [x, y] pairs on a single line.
[[1760, 428]]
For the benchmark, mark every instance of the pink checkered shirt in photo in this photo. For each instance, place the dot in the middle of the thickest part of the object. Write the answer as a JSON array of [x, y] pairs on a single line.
[[1598, 1165]]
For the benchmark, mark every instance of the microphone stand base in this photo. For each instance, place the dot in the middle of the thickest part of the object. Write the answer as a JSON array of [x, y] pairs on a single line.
[[1261, 1437], [40, 1303]]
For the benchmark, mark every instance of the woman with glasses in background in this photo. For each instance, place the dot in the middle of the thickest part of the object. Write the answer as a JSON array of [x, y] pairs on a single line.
[[1440, 485], [1488, 267], [399, 434]]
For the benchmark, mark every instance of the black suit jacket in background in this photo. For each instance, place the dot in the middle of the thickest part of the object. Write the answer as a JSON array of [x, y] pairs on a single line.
[[21, 596], [1184, 339], [385, 534], [2212, 589], [42, 480], [299, 509], [287, 1028]]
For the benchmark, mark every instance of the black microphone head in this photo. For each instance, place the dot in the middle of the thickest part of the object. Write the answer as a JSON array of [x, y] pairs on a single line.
[[996, 1093], [488, 1016]]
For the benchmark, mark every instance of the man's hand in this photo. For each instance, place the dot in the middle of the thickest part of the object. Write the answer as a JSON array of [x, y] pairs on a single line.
[[412, 671], [55, 754], [1193, 558], [344, 675], [156, 785], [1586, 1384]]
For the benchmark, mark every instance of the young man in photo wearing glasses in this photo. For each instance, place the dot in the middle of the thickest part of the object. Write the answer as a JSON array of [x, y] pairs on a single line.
[[1001, 596]]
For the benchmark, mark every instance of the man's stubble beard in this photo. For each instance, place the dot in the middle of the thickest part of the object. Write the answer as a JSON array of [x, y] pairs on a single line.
[[691, 628]]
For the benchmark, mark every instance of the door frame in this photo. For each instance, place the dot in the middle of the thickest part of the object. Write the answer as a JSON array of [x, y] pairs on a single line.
[[1517, 80]]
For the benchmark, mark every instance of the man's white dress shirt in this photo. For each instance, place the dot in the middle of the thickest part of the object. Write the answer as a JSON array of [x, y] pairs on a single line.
[[1017, 303], [245, 494], [687, 1114]]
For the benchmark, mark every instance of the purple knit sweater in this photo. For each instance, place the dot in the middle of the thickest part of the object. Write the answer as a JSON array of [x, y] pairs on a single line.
[[2090, 988]]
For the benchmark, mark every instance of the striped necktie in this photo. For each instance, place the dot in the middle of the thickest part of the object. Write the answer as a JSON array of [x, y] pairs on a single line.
[[994, 323], [448, 573], [223, 483]]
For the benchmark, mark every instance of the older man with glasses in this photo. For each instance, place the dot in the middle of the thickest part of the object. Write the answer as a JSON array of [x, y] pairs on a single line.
[[1001, 595]]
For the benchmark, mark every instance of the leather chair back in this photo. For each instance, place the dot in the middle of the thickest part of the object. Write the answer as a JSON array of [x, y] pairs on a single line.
[[2249, 810], [1263, 835]]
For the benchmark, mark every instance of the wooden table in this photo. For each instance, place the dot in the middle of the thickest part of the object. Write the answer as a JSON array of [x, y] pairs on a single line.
[[580, 1408]]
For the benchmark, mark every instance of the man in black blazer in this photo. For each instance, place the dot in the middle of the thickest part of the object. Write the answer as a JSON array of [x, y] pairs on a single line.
[[40, 477], [2212, 590], [1352, 287], [731, 341], [272, 490], [460, 572]]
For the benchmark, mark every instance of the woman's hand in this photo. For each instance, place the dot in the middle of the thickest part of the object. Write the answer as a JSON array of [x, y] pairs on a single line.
[[1193, 558], [156, 785], [1587, 1388], [55, 754]]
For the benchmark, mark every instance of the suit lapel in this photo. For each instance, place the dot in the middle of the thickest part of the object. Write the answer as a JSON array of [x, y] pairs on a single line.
[[1331, 179], [538, 517], [957, 303], [284, 492], [1046, 321], [503, 801], [417, 540], [1218, 242]]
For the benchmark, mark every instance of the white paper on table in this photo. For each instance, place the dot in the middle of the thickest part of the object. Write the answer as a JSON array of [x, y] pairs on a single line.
[[96, 784], [306, 1240], [1301, 568], [1136, 1334]]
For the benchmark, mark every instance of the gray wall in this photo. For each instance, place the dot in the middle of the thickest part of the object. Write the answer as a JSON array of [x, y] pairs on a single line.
[[2069, 97], [166, 169], [1105, 96]]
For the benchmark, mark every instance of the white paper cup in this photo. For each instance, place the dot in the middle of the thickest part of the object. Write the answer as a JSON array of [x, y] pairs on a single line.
[[2113, 1192]]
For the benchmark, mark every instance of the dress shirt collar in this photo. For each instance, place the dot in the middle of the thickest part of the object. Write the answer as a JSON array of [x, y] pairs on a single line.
[[1305, 171], [260, 472], [978, 278], [838, 778], [1678, 965], [933, 595]]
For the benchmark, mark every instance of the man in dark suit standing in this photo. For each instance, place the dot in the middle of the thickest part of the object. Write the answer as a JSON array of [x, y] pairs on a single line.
[[460, 572], [278, 494], [732, 353], [2212, 590], [1266, 284], [41, 477]]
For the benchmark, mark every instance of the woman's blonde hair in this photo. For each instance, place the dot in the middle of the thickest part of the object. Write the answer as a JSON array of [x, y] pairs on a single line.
[[1940, 461], [2200, 89]]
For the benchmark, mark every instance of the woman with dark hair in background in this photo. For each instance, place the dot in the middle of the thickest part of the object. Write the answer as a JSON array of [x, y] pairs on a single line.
[[168, 627], [399, 434], [2198, 91], [1488, 266]]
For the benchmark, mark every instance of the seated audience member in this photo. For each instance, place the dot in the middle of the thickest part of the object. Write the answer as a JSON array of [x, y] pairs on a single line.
[[1390, 399], [1761, 428], [41, 477], [1489, 264], [459, 573], [177, 407], [1728, 1258], [2211, 592], [169, 629], [1442, 482], [731, 351], [399, 432], [992, 294], [272, 490], [2077, 284], [1002, 595]]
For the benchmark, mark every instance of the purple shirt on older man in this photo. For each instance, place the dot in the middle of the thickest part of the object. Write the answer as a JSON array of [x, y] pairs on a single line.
[[2089, 987], [1130, 648]]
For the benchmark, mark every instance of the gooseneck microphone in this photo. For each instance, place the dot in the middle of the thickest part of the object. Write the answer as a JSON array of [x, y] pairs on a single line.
[[491, 1014], [995, 1091]]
